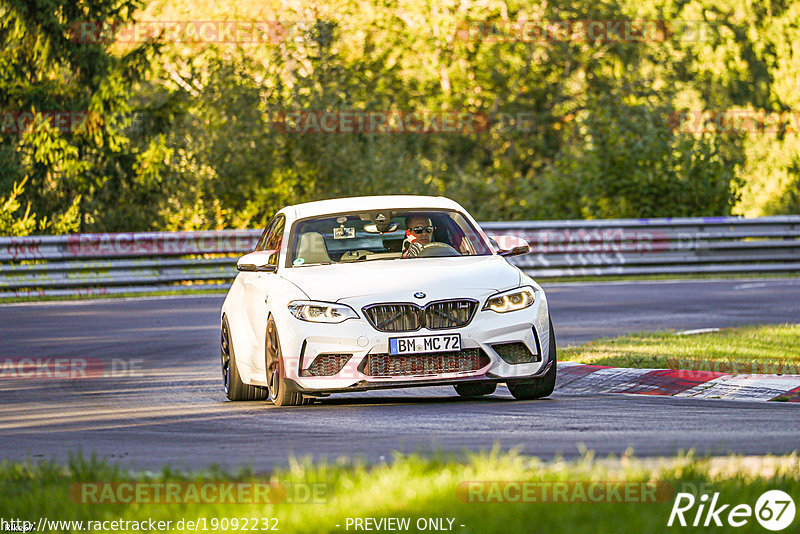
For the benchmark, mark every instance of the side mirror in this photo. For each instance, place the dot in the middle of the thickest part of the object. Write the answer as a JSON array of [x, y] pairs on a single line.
[[509, 245], [257, 262]]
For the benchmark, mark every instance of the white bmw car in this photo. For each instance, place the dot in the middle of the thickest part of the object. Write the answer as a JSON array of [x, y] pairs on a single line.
[[376, 292]]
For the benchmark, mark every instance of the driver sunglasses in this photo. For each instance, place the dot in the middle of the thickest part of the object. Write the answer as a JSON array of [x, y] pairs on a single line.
[[422, 229]]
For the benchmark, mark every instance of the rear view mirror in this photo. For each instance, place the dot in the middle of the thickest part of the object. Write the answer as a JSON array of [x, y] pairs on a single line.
[[373, 229], [258, 261]]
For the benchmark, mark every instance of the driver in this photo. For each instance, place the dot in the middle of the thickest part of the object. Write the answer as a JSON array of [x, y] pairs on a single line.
[[419, 232]]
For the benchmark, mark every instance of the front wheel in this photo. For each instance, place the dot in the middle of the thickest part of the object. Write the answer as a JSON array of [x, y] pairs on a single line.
[[235, 389], [541, 386], [277, 385]]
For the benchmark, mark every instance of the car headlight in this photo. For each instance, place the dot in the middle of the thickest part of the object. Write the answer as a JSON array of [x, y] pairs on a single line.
[[513, 300], [321, 312]]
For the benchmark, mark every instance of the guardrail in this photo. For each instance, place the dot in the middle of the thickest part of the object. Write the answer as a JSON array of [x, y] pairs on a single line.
[[85, 264]]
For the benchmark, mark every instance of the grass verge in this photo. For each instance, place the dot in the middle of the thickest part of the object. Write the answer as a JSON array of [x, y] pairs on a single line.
[[747, 349], [587, 495]]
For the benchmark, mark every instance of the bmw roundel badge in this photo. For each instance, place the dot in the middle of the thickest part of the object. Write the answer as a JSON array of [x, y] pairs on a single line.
[[419, 295]]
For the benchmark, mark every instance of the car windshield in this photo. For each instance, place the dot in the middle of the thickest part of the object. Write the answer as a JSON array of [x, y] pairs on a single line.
[[382, 235]]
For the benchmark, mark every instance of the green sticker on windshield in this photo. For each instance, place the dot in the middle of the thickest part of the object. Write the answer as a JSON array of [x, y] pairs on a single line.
[[299, 261]]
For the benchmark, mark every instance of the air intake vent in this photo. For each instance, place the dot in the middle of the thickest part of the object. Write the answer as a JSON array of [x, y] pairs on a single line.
[[515, 353], [424, 364], [326, 365]]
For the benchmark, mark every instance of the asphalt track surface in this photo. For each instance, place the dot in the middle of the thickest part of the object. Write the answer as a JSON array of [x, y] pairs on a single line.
[[173, 411]]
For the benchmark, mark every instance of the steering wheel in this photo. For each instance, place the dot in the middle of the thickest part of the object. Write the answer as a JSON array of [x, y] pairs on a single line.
[[437, 250]]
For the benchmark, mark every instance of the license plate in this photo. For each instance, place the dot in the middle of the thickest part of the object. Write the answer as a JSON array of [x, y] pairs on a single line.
[[416, 344]]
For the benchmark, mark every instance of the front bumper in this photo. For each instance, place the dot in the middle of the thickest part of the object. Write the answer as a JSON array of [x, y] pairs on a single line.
[[415, 383], [302, 342]]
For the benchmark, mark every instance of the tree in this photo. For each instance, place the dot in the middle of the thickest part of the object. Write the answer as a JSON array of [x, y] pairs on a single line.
[[77, 92]]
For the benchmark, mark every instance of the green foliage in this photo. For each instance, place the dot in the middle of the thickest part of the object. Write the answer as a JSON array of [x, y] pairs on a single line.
[[183, 135], [82, 168], [627, 162], [13, 223]]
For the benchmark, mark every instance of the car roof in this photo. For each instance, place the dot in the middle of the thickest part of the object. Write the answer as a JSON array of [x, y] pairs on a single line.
[[371, 203]]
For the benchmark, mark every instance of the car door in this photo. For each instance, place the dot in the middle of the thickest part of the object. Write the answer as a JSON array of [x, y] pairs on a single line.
[[257, 287]]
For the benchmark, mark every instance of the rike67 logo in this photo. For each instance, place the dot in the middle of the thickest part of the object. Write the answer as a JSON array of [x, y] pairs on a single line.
[[774, 510]]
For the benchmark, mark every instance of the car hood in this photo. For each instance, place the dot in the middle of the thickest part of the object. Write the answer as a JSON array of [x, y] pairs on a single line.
[[400, 279]]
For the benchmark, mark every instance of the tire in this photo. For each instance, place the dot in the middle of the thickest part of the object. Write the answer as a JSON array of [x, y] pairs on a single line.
[[279, 391], [542, 386], [475, 389], [235, 389]]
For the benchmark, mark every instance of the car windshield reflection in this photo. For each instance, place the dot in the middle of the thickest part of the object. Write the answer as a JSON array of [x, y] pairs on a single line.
[[387, 235]]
